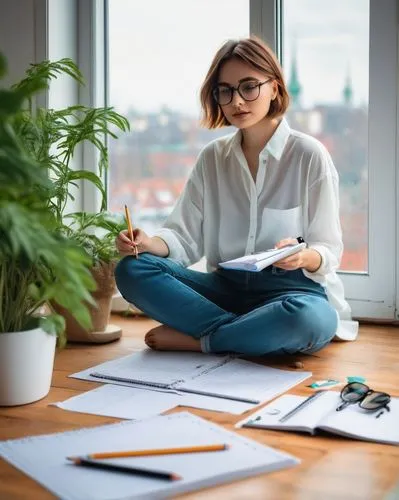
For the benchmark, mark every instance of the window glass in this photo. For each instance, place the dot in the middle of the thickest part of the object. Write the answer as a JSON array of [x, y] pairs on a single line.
[[326, 64], [159, 53]]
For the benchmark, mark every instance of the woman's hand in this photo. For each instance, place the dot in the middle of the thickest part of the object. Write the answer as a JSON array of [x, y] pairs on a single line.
[[142, 242], [307, 258], [126, 246]]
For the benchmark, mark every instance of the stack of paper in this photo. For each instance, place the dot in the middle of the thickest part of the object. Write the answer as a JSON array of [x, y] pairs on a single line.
[[44, 458], [257, 262]]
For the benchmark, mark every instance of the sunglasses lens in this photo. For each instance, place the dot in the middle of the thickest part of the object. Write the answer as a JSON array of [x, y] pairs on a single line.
[[354, 392], [375, 400]]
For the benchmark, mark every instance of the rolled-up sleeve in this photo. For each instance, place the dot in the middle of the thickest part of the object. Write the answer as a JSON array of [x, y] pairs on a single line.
[[183, 229], [324, 232]]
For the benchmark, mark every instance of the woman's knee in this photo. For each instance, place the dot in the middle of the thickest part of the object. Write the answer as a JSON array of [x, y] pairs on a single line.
[[313, 318], [123, 273], [128, 270]]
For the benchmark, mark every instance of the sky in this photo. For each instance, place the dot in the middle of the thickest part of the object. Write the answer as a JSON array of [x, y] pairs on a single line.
[[160, 50]]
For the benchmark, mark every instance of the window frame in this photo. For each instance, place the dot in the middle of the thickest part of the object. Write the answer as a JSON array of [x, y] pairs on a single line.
[[373, 294], [93, 63]]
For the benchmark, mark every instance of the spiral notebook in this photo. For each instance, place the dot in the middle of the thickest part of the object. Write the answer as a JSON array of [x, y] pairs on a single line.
[[43, 458], [257, 262], [204, 374]]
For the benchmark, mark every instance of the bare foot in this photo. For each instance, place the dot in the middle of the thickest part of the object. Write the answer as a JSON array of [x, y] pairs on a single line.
[[164, 338]]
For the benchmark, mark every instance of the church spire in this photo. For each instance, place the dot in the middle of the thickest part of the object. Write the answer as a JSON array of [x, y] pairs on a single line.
[[294, 87], [347, 92]]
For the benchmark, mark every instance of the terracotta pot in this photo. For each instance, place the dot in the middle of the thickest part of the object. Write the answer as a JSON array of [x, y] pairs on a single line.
[[103, 275]]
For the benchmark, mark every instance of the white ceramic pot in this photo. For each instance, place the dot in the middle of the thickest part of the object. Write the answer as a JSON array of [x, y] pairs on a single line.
[[26, 366]]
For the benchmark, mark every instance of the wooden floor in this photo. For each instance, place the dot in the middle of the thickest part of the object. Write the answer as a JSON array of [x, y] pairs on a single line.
[[331, 467]]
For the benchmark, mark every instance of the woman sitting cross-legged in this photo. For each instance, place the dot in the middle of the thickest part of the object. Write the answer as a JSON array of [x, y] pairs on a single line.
[[256, 189]]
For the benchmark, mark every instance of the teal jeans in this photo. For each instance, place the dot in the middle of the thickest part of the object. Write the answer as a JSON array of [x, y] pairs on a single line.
[[269, 312]]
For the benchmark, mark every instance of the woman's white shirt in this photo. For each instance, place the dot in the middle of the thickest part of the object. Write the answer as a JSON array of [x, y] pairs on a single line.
[[223, 213]]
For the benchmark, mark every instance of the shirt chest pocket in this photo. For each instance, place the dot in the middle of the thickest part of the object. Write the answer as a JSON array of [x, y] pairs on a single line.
[[279, 224]]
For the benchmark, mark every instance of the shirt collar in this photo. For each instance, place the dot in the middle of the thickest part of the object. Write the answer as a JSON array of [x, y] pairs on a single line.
[[275, 145], [234, 143], [278, 140]]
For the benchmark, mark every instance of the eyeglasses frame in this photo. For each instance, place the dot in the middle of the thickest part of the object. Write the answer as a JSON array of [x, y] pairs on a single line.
[[237, 89], [369, 391]]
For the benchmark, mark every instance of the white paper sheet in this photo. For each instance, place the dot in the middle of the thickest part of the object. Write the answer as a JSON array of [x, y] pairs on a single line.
[[132, 403], [305, 420], [165, 367], [121, 402], [154, 367], [258, 261], [225, 377], [240, 378], [244, 458]]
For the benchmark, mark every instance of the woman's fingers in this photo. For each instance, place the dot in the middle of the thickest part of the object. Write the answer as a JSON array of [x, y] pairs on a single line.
[[124, 236], [124, 243], [286, 241], [291, 263], [126, 246], [288, 262]]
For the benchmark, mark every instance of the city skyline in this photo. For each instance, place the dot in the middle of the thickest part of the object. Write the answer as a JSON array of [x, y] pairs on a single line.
[[148, 79]]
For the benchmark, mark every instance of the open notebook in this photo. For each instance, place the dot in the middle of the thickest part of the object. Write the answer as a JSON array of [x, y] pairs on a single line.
[[197, 373], [321, 414], [257, 262], [44, 458]]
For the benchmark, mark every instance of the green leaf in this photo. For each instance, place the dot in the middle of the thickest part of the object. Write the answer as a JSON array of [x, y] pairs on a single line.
[[93, 178], [44, 259]]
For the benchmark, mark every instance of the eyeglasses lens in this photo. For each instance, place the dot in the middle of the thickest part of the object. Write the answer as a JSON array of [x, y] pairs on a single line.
[[249, 91], [354, 392], [222, 95], [375, 400]]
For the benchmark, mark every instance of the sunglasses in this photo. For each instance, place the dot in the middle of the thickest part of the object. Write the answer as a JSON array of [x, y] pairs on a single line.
[[370, 400]]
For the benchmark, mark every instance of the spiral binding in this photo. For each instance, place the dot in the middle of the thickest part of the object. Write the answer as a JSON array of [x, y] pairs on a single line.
[[132, 381]]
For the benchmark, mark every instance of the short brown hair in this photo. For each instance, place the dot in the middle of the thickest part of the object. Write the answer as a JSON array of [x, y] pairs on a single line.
[[257, 54]]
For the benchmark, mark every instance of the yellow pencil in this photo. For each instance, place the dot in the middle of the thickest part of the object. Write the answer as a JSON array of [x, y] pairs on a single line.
[[130, 230], [160, 451]]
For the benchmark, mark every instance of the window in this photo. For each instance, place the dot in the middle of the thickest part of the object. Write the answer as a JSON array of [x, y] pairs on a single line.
[[346, 59], [341, 60], [159, 53], [327, 71]]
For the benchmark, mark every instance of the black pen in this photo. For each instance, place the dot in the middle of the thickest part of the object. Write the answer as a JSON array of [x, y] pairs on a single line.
[[299, 239], [300, 406], [100, 464]]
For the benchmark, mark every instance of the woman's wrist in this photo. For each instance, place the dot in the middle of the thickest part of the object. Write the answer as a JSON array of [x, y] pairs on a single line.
[[313, 260], [158, 246]]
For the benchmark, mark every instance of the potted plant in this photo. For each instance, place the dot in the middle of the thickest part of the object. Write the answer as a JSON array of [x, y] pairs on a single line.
[[96, 233], [38, 263], [52, 137]]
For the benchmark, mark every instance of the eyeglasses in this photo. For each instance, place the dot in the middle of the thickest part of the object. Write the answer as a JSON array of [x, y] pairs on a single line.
[[249, 91], [370, 400]]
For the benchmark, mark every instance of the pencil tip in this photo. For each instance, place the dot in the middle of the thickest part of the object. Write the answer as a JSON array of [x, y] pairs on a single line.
[[176, 477]]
